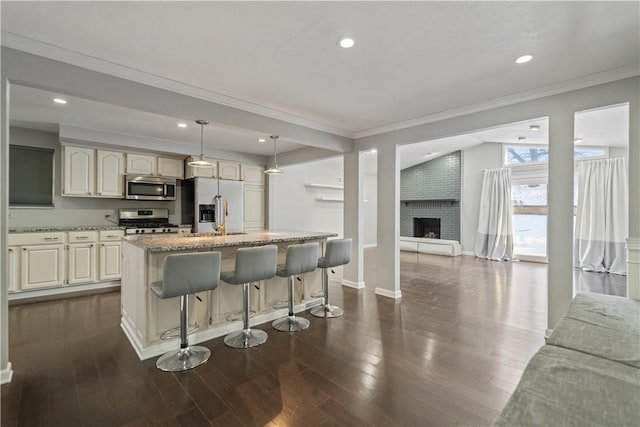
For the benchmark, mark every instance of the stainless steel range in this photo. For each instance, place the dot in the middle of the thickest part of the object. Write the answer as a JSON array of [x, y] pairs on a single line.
[[146, 221]]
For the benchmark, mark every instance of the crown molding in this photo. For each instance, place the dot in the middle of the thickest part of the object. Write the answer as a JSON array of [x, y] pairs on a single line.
[[57, 53], [529, 95]]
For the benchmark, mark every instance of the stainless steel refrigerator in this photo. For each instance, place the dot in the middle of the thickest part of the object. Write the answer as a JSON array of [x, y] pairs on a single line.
[[205, 191]]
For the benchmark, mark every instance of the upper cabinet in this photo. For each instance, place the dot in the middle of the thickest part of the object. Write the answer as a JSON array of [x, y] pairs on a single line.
[[79, 171], [253, 174], [109, 174], [141, 164], [170, 167], [201, 171], [229, 170]]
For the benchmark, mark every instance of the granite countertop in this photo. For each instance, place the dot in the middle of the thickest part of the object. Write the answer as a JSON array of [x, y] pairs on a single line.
[[172, 243], [54, 228]]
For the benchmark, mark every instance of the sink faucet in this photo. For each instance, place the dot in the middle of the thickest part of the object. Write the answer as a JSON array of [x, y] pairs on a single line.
[[221, 229], [222, 211]]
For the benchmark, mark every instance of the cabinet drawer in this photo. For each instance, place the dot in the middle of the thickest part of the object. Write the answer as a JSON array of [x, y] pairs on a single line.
[[19, 239], [82, 236], [107, 235]]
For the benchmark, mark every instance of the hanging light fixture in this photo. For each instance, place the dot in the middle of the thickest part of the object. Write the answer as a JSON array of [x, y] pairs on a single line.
[[274, 170], [201, 160]]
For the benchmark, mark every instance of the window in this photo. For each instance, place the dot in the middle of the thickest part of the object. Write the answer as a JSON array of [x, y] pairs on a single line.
[[30, 177], [515, 155], [530, 219]]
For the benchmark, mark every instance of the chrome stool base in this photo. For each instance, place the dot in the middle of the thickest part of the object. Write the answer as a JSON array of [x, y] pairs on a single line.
[[183, 359], [246, 338], [290, 324], [327, 311], [175, 332]]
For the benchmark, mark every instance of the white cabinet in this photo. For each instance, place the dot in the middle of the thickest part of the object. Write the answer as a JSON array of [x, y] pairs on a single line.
[[229, 170], [13, 269], [201, 171], [253, 208], [79, 171], [141, 164], [110, 255], [252, 174], [42, 266], [171, 167], [110, 174], [81, 266]]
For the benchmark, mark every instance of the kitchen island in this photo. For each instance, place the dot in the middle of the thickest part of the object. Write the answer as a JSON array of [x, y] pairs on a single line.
[[145, 317]]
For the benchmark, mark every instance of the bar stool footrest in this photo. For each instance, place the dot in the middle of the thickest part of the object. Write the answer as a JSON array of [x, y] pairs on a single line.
[[238, 315], [175, 332], [327, 311]]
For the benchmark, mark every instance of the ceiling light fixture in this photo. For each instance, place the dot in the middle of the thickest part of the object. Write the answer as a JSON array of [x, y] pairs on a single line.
[[201, 160], [182, 125], [524, 59], [522, 138], [534, 127], [274, 170], [261, 140], [578, 140], [59, 101], [347, 43], [373, 150]]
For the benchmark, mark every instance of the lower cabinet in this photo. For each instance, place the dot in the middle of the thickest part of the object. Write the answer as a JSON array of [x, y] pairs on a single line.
[[110, 255], [42, 266], [82, 263], [13, 269]]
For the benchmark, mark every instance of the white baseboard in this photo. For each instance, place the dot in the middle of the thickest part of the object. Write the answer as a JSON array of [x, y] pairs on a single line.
[[6, 374], [471, 253], [547, 333], [387, 293], [374, 245], [62, 290], [350, 284], [633, 268]]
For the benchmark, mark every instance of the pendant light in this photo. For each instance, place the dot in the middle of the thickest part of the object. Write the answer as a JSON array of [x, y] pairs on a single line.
[[274, 170], [201, 160]]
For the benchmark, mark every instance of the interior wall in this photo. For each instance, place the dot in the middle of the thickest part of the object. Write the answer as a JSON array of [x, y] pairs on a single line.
[[294, 206], [71, 210], [370, 203], [474, 161]]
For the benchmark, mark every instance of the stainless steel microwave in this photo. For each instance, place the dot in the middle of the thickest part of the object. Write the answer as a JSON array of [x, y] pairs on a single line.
[[149, 188]]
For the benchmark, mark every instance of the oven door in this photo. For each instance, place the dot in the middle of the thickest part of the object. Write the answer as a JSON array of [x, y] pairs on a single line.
[[149, 188]]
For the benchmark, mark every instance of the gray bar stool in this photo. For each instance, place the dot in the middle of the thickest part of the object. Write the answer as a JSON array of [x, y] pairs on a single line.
[[185, 274], [338, 252], [300, 259], [252, 265]]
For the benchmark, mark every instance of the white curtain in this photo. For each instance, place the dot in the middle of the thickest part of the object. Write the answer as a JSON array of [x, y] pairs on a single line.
[[494, 239], [602, 218]]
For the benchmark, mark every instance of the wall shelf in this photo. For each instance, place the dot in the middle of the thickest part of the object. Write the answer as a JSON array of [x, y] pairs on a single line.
[[448, 201], [330, 187]]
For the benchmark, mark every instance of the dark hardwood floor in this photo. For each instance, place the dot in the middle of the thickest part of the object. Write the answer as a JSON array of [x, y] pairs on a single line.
[[449, 352]]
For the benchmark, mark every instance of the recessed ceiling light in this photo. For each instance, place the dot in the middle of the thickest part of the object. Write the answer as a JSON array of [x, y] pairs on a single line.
[[522, 138], [578, 140], [373, 150], [261, 140], [524, 59], [182, 125], [347, 43], [534, 127], [59, 101]]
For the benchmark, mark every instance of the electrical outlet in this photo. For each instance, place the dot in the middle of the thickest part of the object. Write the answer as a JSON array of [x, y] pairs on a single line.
[[340, 179]]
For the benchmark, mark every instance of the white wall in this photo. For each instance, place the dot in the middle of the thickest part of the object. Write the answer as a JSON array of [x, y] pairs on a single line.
[[370, 206], [70, 210], [293, 206], [474, 161]]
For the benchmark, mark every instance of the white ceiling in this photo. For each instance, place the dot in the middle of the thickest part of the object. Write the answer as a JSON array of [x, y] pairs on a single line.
[[411, 59], [35, 109], [606, 126]]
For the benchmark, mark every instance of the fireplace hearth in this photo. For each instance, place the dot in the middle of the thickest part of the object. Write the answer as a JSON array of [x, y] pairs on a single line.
[[426, 227]]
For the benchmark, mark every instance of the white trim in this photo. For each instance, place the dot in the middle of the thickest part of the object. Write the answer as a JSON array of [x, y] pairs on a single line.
[[547, 333], [373, 245], [389, 294], [57, 53], [529, 95], [6, 374], [217, 331], [16, 296], [633, 268], [350, 284], [471, 253]]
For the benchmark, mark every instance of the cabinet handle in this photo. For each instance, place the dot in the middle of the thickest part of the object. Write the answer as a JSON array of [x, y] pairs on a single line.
[[10, 250], [111, 236], [82, 237], [102, 245], [91, 245], [51, 238], [24, 249]]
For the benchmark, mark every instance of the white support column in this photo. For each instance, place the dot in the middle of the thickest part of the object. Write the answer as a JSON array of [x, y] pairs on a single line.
[[560, 219], [388, 250], [353, 273], [5, 365], [633, 244]]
